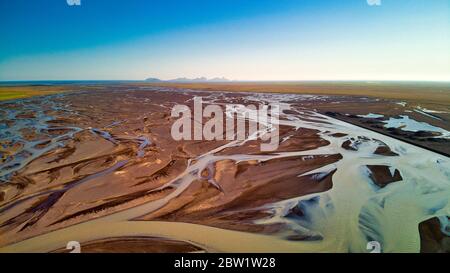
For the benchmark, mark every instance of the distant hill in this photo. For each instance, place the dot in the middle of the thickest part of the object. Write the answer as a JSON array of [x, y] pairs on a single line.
[[153, 80], [187, 80]]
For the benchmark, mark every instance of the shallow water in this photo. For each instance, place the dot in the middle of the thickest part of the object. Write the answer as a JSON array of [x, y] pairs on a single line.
[[406, 123]]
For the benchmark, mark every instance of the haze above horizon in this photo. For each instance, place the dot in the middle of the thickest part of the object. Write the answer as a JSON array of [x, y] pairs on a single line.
[[264, 40]]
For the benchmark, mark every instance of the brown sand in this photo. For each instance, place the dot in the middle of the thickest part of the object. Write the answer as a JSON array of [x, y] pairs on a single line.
[[92, 175]]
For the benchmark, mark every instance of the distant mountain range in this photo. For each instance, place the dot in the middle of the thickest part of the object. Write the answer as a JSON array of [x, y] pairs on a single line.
[[187, 80]]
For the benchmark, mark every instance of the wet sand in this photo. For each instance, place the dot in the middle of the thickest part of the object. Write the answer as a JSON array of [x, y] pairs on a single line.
[[101, 168]]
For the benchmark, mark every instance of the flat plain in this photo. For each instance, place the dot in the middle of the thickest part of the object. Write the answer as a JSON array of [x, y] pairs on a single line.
[[96, 163]]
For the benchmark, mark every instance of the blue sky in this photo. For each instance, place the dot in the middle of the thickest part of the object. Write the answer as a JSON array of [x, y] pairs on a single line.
[[241, 40]]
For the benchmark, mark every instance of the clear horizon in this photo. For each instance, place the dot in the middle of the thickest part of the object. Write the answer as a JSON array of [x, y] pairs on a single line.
[[292, 40], [233, 81]]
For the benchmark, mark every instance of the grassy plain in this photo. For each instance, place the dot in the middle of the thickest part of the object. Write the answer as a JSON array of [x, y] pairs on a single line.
[[19, 92]]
